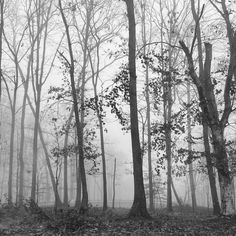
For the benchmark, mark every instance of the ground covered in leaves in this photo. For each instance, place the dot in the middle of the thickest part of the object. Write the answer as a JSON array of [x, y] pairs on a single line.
[[113, 222]]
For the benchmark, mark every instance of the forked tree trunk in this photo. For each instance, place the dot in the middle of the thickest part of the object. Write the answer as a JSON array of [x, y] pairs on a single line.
[[207, 97], [79, 124], [40, 28], [139, 207]]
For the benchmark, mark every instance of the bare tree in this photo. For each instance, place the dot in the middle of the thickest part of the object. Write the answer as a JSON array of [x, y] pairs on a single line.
[[79, 124], [39, 23]]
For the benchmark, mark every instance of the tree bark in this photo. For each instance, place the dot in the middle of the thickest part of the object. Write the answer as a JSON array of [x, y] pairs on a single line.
[[65, 159], [191, 178], [224, 175], [139, 207], [176, 194], [114, 185], [78, 181], [11, 155], [211, 175], [148, 111]]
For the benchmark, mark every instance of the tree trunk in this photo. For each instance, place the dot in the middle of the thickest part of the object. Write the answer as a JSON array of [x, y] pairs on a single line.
[[114, 185], [78, 183], [58, 203], [176, 194], [12, 137], [211, 175], [11, 156], [191, 178], [65, 159], [169, 162], [22, 142], [148, 111], [224, 175], [103, 164], [139, 207], [35, 149], [167, 103]]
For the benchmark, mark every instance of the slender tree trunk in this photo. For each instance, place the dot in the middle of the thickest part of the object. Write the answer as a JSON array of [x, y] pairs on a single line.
[[147, 97], [176, 194], [11, 156], [169, 162], [35, 149], [191, 178], [79, 125], [103, 164], [1, 36], [58, 203], [139, 207], [211, 175], [114, 185], [167, 95], [65, 159], [22, 141], [12, 137], [78, 182], [104, 176]]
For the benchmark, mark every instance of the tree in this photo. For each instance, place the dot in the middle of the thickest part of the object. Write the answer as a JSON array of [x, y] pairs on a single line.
[[191, 177], [204, 84], [211, 174], [146, 51], [139, 207], [39, 25], [79, 124]]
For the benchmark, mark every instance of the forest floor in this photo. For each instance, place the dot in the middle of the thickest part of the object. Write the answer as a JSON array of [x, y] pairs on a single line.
[[113, 222]]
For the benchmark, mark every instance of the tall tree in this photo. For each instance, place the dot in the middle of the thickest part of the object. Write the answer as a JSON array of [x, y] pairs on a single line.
[[146, 51], [39, 23], [79, 124], [203, 82], [139, 207]]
